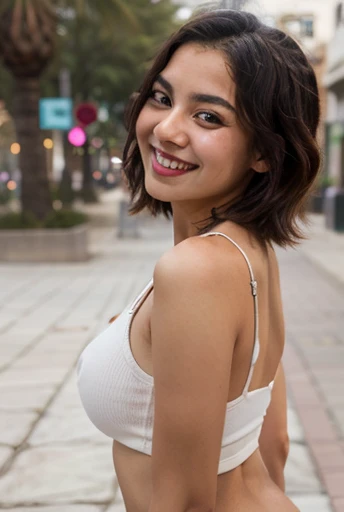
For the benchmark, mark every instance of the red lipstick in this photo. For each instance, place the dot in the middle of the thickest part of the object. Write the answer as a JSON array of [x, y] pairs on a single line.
[[166, 171]]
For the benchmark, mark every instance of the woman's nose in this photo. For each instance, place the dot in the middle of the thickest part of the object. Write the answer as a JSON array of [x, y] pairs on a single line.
[[172, 129]]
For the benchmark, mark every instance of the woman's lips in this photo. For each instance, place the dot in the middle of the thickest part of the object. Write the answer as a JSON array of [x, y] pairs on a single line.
[[165, 171], [172, 158]]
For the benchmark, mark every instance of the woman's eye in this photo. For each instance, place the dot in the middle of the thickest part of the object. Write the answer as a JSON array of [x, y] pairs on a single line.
[[161, 98], [208, 117]]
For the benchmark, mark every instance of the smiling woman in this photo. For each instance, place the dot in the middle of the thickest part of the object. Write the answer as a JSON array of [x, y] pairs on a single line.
[[197, 127], [276, 104], [188, 380]]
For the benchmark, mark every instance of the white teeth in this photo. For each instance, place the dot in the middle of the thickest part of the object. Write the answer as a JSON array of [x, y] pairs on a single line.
[[172, 164]]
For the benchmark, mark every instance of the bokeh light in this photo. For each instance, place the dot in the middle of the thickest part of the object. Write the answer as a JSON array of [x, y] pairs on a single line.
[[4, 176], [11, 185], [15, 148], [110, 178], [97, 175], [97, 142], [57, 204], [77, 136], [48, 143]]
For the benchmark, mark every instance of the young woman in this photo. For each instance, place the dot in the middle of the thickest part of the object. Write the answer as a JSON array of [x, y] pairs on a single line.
[[222, 137]]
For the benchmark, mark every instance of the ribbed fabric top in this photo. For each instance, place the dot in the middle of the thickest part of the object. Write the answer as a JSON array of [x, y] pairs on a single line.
[[118, 395]]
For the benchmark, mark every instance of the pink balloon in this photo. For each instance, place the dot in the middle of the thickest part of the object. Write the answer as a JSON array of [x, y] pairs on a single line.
[[77, 136]]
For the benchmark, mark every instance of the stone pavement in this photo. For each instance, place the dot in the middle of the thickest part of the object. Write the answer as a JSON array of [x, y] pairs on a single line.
[[313, 290], [51, 457]]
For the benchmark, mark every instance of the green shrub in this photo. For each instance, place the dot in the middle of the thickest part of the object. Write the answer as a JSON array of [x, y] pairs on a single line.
[[21, 220], [55, 220], [5, 195], [64, 219], [325, 181]]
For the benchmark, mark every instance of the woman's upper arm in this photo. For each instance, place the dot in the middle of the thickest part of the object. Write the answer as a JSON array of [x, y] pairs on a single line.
[[193, 329]]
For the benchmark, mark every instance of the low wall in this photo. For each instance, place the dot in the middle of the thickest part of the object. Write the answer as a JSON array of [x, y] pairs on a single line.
[[44, 245]]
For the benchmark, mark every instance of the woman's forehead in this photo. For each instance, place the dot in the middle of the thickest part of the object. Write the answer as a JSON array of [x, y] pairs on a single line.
[[200, 69]]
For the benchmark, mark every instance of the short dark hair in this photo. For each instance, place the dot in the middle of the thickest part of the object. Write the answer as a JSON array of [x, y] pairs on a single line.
[[277, 101]]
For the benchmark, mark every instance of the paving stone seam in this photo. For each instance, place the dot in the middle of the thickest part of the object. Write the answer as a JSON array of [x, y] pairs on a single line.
[[21, 288], [100, 322], [313, 381], [335, 281], [317, 389], [328, 407], [43, 299], [24, 444], [25, 350], [299, 406], [39, 337]]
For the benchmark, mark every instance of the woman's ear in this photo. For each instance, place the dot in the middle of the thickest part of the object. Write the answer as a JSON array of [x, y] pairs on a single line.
[[259, 164]]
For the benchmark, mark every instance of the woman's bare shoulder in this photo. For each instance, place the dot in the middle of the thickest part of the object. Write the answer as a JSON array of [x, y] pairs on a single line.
[[201, 262]]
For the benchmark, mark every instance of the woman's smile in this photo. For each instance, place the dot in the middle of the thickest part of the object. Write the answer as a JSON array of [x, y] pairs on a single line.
[[169, 165], [188, 127]]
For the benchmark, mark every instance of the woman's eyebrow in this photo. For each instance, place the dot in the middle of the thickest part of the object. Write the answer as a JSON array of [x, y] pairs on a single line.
[[165, 84], [200, 98], [215, 100]]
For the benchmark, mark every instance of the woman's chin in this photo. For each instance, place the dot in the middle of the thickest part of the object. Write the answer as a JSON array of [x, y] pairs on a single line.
[[159, 191]]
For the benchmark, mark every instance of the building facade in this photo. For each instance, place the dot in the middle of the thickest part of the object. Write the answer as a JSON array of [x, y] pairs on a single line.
[[334, 82]]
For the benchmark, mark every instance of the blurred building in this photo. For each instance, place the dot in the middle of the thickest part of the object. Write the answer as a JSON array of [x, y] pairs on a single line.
[[310, 22], [334, 81], [303, 26]]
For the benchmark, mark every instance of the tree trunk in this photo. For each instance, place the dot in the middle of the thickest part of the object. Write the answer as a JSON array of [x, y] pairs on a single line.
[[65, 191], [35, 193], [88, 191]]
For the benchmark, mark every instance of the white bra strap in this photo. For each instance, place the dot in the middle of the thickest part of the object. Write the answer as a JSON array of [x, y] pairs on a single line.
[[253, 283], [141, 297]]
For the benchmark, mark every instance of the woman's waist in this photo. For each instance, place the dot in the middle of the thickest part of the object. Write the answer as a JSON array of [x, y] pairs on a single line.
[[236, 489]]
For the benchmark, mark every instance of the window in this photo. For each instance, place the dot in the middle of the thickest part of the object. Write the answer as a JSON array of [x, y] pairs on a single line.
[[307, 27]]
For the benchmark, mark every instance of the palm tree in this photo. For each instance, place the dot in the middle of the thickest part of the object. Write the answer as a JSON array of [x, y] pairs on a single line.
[[27, 33], [27, 44]]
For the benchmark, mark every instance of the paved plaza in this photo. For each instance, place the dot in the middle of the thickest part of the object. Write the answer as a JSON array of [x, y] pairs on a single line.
[[51, 457]]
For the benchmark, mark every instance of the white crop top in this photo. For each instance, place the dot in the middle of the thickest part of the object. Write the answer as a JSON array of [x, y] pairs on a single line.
[[118, 395]]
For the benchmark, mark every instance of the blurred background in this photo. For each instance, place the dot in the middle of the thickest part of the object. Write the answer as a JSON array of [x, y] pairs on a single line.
[[67, 69]]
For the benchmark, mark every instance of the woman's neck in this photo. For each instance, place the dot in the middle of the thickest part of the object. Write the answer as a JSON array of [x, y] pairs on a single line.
[[187, 221]]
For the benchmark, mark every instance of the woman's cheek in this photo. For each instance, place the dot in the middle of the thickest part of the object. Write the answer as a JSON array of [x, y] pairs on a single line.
[[139, 126]]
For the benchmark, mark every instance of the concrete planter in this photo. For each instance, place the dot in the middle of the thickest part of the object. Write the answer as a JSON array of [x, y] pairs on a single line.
[[44, 245]]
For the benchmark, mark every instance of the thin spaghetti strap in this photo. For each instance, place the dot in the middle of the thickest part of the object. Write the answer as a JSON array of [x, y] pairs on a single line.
[[253, 283], [137, 302]]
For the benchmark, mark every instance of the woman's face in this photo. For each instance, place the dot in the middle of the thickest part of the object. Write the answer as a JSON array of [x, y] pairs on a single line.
[[192, 147]]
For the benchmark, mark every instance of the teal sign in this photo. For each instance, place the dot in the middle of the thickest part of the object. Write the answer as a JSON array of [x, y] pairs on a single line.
[[55, 114]]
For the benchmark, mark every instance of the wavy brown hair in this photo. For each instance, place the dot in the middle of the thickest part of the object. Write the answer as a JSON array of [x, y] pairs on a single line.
[[277, 101]]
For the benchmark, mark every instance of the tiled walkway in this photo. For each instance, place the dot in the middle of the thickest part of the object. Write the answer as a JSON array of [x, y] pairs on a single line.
[[314, 362]]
